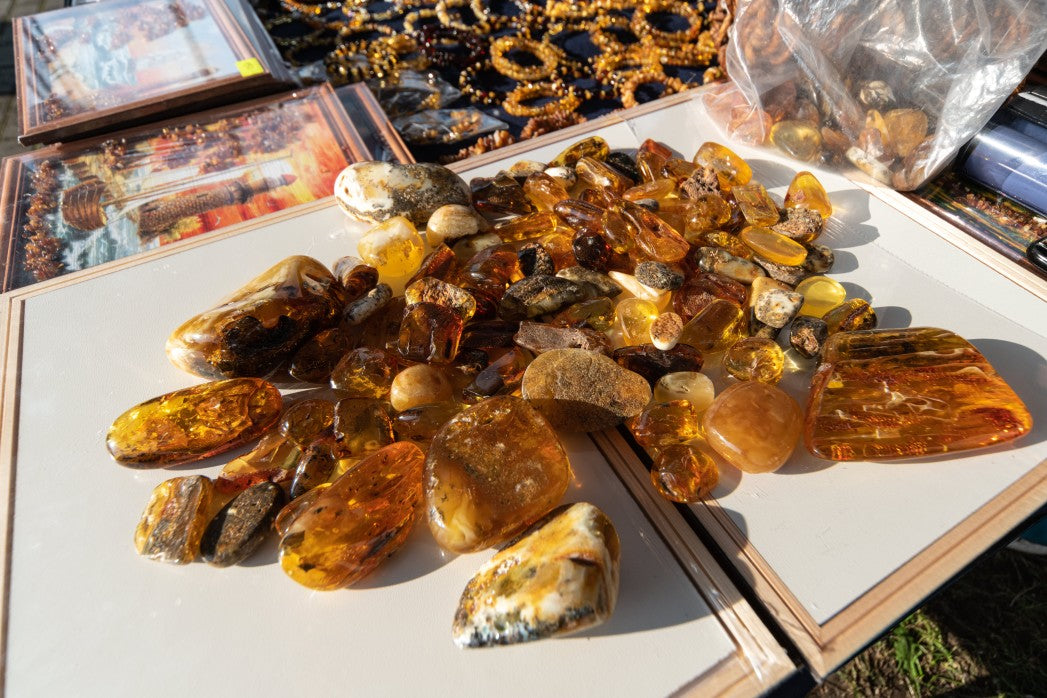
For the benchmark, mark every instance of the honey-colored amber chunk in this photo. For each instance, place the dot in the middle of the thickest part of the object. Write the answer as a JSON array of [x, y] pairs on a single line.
[[174, 520], [273, 459], [683, 473], [883, 394], [592, 147], [717, 326], [188, 425], [544, 191], [658, 190], [855, 314], [800, 139], [806, 190], [755, 359], [393, 247], [753, 426], [420, 385], [906, 128], [773, 246], [651, 157], [664, 423], [696, 388], [656, 238], [307, 420], [756, 204], [361, 426], [730, 168], [820, 295], [357, 522], [527, 227], [365, 372], [634, 317]]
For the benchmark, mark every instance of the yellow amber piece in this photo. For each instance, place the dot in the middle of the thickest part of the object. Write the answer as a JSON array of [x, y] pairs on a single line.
[[188, 425], [307, 420], [394, 247], [664, 423], [800, 139], [273, 459], [882, 394], [592, 147], [601, 175], [756, 204], [683, 473], [696, 388], [357, 522], [774, 246], [420, 385], [708, 212], [656, 238], [806, 190], [651, 157], [618, 231], [432, 290], [820, 294], [855, 314], [527, 227], [753, 426], [634, 317], [730, 168], [544, 191], [718, 238], [907, 128], [560, 247], [659, 190], [719, 325], [174, 519], [755, 359], [365, 372], [362, 425]]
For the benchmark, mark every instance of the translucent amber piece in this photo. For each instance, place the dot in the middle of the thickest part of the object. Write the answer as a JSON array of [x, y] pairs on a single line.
[[756, 204], [881, 394], [659, 190], [430, 332], [678, 168], [602, 175], [499, 196], [440, 264], [675, 213], [664, 423], [683, 473], [420, 385], [806, 190], [591, 250], [191, 424], [365, 372], [597, 313], [730, 168], [718, 238], [708, 212], [361, 426], [907, 128], [592, 147], [306, 421], [777, 248], [357, 522], [315, 360], [315, 466], [800, 139], [274, 459], [618, 231], [665, 330], [855, 314], [702, 289], [656, 238], [293, 509], [174, 519], [419, 424], [544, 191], [262, 324], [502, 376], [754, 426], [696, 388], [394, 247], [651, 157], [820, 294], [430, 290], [755, 359], [719, 325], [634, 316], [492, 270], [578, 214], [491, 471], [527, 227]]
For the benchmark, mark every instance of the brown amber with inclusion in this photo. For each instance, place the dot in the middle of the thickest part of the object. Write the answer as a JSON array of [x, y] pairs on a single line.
[[702, 289], [365, 372], [194, 423], [756, 204], [597, 313], [664, 423], [501, 377], [174, 519], [305, 421], [544, 191], [273, 459], [314, 360], [730, 168], [492, 269], [656, 238], [683, 473], [755, 359], [362, 425], [499, 196], [578, 214], [806, 190], [592, 147], [357, 522], [883, 394], [356, 277], [855, 314], [430, 332], [716, 327]]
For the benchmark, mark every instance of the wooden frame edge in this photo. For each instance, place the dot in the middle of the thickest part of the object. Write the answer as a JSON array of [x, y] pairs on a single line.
[[10, 360]]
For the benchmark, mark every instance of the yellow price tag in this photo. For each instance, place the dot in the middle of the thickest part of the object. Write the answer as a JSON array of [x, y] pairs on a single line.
[[249, 67]]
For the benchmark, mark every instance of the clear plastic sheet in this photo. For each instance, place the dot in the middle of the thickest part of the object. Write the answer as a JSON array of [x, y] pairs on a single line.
[[894, 87], [445, 125], [413, 93]]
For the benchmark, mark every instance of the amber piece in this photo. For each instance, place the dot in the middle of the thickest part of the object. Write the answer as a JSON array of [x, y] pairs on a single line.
[[430, 290], [491, 270], [357, 522], [242, 525], [659, 190], [618, 231], [807, 335], [656, 238], [665, 330], [719, 325], [191, 424], [382, 328], [293, 509], [306, 421], [365, 372], [702, 289], [535, 259], [579, 215], [174, 519], [274, 459], [882, 394], [806, 190], [393, 247], [855, 314], [315, 360], [800, 139], [261, 324], [755, 359], [591, 250], [561, 577], [696, 388], [539, 338], [361, 425], [527, 227], [907, 128], [592, 147], [601, 175], [439, 264], [499, 196], [801, 224], [664, 423], [718, 238], [657, 296], [675, 213], [502, 376], [756, 204], [720, 261], [451, 222], [356, 277], [419, 424], [820, 294], [754, 426], [634, 317], [773, 246], [730, 168], [652, 363], [430, 332], [597, 313], [488, 334], [420, 385], [544, 191], [708, 212], [683, 473], [651, 157]]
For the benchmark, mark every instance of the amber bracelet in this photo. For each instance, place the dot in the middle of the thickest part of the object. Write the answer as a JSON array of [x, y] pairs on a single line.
[[468, 81], [641, 25], [548, 54], [436, 39], [627, 89], [603, 38], [514, 102]]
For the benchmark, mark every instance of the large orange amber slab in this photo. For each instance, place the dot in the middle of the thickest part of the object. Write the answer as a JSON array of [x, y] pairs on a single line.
[[356, 523], [194, 423], [261, 324], [492, 471], [881, 394]]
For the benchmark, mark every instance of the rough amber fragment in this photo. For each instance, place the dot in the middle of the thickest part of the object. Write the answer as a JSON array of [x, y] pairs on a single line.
[[174, 519], [559, 578], [362, 425], [702, 289], [188, 425], [544, 191], [664, 423], [439, 264], [756, 204], [652, 363], [683, 473], [800, 139], [773, 246], [806, 190], [592, 147], [601, 175], [315, 360], [502, 376], [356, 277], [261, 324], [656, 238], [274, 459], [696, 388], [491, 270], [597, 313], [730, 168], [430, 290], [492, 471], [634, 317], [708, 212], [678, 168], [365, 372], [241, 525], [420, 385], [754, 426], [393, 247], [855, 314], [499, 196], [719, 325], [820, 294], [430, 332], [665, 330], [755, 359], [906, 128], [305, 421], [651, 157], [882, 394], [357, 522], [315, 466]]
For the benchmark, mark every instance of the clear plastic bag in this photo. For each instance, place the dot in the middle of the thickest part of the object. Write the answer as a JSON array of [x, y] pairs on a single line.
[[444, 126], [894, 87]]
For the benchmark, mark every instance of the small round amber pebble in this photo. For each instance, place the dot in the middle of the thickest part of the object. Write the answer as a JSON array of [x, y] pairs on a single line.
[[634, 317], [806, 190], [774, 246], [394, 247], [683, 473], [663, 423], [753, 426], [755, 359], [820, 295], [696, 388], [800, 139], [420, 385]]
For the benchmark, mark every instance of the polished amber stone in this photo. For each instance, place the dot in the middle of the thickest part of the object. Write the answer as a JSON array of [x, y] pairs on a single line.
[[393, 247], [194, 423], [652, 363], [882, 394], [806, 190], [420, 385], [683, 473], [730, 168], [696, 388], [651, 157], [597, 313], [317, 357], [756, 204], [362, 425], [755, 359], [601, 175], [659, 190], [501, 377], [800, 139], [419, 424], [365, 372], [491, 472], [544, 191], [316, 465], [774, 246], [855, 314], [820, 295], [431, 290], [273, 459], [305, 421], [664, 423], [906, 128], [492, 270], [527, 227], [592, 147], [634, 317], [357, 522], [356, 277], [261, 324], [656, 238], [430, 332], [499, 196], [702, 289], [619, 232], [439, 264], [174, 519], [719, 325], [753, 426]]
